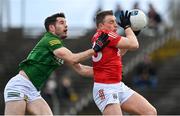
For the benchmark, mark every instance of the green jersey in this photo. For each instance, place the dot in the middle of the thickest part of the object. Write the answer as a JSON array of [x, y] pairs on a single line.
[[41, 61]]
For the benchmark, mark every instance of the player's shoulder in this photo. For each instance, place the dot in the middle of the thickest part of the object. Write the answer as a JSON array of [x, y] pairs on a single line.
[[110, 33], [96, 35], [50, 40], [50, 36]]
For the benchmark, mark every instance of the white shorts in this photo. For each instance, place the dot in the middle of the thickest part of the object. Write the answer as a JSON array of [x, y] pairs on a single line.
[[20, 88], [104, 94]]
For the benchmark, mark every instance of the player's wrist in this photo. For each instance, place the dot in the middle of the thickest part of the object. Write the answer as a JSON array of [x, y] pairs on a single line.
[[96, 48], [127, 26], [94, 52]]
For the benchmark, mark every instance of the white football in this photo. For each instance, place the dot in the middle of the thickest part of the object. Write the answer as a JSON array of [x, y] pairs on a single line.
[[138, 19]]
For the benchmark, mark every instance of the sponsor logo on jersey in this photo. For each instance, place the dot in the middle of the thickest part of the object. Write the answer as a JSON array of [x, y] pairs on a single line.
[[59, 61], [54, 42]]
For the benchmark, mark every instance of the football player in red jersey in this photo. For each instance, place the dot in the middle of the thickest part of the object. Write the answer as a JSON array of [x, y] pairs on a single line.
[[110, 94]]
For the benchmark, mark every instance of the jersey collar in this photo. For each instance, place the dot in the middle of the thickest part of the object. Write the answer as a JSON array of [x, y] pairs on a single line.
[[49, 33]]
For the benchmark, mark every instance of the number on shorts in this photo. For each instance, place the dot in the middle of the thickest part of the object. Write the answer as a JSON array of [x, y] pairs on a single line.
[[101, 94]]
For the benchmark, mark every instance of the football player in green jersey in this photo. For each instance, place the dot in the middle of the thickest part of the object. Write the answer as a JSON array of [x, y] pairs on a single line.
[[22, 92]]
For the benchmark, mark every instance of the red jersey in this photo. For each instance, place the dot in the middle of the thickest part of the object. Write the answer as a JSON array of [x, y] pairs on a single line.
[[107, 64]]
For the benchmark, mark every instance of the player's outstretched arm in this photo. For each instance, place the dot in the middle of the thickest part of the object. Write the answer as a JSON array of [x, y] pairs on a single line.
[[83, 70], [74, 58]]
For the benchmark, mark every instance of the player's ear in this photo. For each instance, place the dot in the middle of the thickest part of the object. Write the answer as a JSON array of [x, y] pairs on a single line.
[[100, 25], [51, 27]]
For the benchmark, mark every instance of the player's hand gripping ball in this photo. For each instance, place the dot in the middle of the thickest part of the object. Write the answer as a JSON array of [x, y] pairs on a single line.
[[138, 19]]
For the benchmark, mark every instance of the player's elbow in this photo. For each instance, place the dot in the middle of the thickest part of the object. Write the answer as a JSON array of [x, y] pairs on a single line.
[[73, 61], [134, 46]]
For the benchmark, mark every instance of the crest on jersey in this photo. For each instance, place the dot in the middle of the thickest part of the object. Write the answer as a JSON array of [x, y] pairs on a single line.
[[115, 96]]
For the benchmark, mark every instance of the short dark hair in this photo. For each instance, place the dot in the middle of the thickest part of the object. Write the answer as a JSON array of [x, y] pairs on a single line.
[[52, 19], [101, 15]]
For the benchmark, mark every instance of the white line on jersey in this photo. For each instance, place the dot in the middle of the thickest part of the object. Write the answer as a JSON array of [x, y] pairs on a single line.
[[113, 35]]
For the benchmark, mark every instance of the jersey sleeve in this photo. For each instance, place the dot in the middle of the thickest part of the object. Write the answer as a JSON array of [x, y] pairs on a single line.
[[54, 43], [114, 39]]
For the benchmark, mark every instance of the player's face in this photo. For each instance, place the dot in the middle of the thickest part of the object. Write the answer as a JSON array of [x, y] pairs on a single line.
[[61, 27], [109, 23]]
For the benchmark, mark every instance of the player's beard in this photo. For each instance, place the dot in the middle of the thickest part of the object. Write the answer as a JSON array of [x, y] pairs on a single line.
[[61, 32], [62, 35]]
